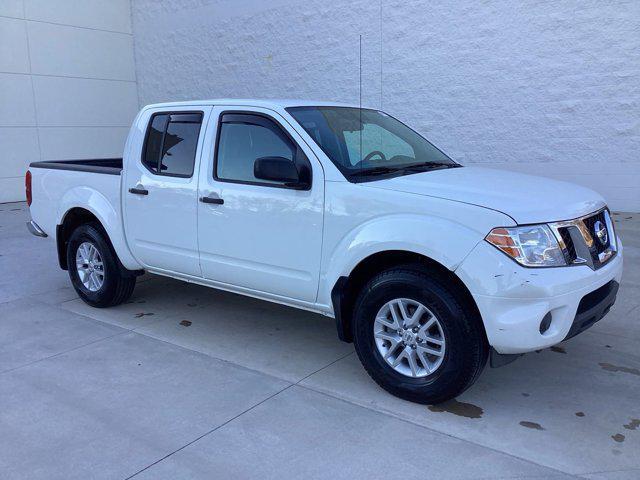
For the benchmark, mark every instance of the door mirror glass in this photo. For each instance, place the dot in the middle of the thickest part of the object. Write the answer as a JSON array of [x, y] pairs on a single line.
[[276, 169]]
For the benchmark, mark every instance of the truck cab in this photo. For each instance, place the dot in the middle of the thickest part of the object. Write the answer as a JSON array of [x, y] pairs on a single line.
[[203, 211]]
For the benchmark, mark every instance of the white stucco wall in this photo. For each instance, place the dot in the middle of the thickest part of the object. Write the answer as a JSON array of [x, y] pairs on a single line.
[[545, 87], [67, 83]]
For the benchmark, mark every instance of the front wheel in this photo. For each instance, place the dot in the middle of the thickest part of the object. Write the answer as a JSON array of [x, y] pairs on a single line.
[[95, 270], [415, 337]]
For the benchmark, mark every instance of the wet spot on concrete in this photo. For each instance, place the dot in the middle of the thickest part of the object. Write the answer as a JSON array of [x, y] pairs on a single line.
[[633, 424], [526, 394], [185, 323], [579, 414], [532, 425], [558, 349], [615, 451], [615, 368], [618, 437], [607, 346], [142, 314], [467, 410]]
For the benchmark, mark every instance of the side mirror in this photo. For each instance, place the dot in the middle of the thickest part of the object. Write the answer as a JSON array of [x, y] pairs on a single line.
[[278, 169]]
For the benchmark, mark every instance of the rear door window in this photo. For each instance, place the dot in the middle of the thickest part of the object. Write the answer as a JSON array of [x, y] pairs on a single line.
[[153, 147], [172, 140]]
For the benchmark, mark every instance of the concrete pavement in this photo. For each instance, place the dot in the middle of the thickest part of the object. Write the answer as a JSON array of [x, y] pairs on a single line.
[[188, 382]]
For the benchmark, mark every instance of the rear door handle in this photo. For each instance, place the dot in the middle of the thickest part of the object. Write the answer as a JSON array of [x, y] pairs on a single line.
[[212, 198], [138, 190]]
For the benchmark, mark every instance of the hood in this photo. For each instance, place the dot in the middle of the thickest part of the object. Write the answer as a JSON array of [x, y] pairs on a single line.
[[525, 198]]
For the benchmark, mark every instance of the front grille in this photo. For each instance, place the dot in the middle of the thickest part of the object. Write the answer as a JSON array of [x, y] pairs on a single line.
[[590, 223], [570, 250], [580, 240]]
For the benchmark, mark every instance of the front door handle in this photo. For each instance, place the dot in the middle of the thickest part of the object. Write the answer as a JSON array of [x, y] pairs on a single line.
[[212, 198], [139, 190]]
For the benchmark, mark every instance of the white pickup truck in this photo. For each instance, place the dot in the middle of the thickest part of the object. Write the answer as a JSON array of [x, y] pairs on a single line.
[[428, 267]]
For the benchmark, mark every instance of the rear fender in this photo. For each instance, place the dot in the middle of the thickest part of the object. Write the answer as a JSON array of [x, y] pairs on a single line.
[[103, 209]]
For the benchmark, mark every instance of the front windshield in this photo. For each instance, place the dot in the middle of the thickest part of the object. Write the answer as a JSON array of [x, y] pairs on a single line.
[[364, 143]]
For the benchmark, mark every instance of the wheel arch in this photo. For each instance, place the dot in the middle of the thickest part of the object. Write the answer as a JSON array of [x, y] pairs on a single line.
[[88, 203], [69, 222], [347, 287]]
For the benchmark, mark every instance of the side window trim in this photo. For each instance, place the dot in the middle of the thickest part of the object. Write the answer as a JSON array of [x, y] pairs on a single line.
[[170, 119], [236, 116]]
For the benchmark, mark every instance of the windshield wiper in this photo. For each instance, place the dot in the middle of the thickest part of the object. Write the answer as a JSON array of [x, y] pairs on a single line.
[[374, 171], [429, 166]]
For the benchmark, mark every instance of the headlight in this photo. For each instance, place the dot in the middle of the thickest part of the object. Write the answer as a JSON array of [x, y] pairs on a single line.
[[531, 246]]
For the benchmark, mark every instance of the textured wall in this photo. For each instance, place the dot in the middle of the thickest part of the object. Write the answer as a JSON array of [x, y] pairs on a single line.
[[536, 86], [67, 83]]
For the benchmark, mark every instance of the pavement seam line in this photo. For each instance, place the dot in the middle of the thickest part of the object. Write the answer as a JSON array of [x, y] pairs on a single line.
[[532, 477], [326, 366], [240, 414], [632, 469], [86, 318], [406, 420], [210, 431], [229, 362], [607, 334], [63, 352]]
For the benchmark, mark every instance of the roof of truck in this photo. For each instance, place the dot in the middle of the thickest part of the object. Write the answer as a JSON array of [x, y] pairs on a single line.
[[265, 103]]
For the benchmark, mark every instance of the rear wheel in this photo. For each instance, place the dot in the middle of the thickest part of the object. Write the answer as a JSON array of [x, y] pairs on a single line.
[[94, 268], [415, 337]]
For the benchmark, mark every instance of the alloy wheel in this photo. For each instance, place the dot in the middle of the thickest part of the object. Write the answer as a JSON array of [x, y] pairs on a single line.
[[409, 337], [90, 266]]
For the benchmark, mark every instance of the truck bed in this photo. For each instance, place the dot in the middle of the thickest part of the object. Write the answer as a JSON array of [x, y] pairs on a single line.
[[93, 184], [108, 166]]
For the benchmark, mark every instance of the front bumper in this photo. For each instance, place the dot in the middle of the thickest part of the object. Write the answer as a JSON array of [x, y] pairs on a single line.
[[593, 307], [513, 300]]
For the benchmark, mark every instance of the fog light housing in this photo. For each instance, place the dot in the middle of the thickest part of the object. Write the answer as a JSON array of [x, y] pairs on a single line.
[[545, 323]]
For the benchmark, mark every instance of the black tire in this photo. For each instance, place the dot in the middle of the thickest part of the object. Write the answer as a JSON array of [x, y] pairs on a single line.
[[466, 345], [117, 286]]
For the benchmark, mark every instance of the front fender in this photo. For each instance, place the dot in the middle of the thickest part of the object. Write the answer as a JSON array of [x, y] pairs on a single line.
[[104, 210], [442, 240]]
